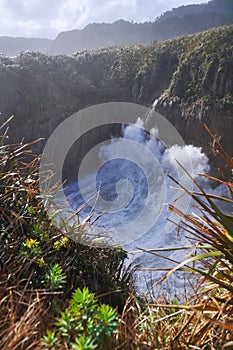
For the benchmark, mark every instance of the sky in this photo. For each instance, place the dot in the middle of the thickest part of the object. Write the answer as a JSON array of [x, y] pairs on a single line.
[[46, 18]]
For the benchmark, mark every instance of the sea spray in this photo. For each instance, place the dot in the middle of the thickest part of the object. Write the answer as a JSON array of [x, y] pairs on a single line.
[[118, 176]]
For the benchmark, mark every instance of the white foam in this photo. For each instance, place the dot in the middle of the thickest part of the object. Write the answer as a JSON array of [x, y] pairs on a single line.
[[166, 161]]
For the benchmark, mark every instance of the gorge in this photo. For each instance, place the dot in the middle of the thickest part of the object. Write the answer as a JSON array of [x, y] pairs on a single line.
[[110, 237], [189, 80]]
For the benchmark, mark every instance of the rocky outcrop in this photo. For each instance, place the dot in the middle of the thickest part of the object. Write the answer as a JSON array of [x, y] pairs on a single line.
[[201, 91], [190, 120]]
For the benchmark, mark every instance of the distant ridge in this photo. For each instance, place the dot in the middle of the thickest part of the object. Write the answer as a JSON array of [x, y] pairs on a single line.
[[180, 21], [10, 46]]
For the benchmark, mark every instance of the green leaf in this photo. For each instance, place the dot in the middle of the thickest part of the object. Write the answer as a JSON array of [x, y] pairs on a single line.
[[199, 257]]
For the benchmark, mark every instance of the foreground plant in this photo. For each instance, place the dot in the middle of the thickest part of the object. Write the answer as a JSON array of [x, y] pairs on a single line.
[[205, 319], [43, 274], [84, 324], [212, 229], [40, 268], [210, 310]]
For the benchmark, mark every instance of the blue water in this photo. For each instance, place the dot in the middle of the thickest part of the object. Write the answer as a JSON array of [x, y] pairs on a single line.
[[129, 193]]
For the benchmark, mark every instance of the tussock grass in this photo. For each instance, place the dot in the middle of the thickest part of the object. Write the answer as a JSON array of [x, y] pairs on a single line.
[[205, 321], [41, 269]]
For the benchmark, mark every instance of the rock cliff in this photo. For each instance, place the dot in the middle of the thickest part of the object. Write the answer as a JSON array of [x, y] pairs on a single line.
[[201, 90], [191, 78]]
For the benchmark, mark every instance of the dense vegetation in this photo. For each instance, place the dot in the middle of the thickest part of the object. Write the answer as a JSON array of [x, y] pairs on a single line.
[[191, 77], [205, 67], [201, 90], [40, 267], [46, 278]]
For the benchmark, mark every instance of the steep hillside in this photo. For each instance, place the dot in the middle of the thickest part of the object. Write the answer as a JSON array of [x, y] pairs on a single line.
[[191, 78], [98, 35], [220, 6], [43, 90], [201, 90], [180, 21]]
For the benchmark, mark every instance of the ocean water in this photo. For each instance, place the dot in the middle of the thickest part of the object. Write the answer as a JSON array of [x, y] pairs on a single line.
[[128, 194]]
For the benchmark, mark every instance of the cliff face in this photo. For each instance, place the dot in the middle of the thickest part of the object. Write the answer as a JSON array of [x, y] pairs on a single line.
[[41, 91], [201, 90], [190, 121], [191, 77]]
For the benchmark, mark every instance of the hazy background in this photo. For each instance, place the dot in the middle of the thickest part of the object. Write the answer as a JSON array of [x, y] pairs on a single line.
[[43, 18]]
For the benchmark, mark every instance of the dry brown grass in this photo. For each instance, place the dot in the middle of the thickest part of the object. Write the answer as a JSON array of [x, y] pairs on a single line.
[[22, 320], [205, 321], [27, 308]]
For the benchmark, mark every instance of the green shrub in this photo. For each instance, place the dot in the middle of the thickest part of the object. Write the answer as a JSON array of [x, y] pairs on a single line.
[[40, 267], [84, 324]]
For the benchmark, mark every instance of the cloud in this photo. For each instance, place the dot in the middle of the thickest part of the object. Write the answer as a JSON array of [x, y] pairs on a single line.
[[46, 19], [28, 10]]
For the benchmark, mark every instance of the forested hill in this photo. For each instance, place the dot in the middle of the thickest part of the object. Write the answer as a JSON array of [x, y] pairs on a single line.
[[191, 78], [178, 22]]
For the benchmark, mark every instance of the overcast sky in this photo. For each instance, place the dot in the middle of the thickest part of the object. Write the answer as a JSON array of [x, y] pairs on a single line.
[[46, 18]]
